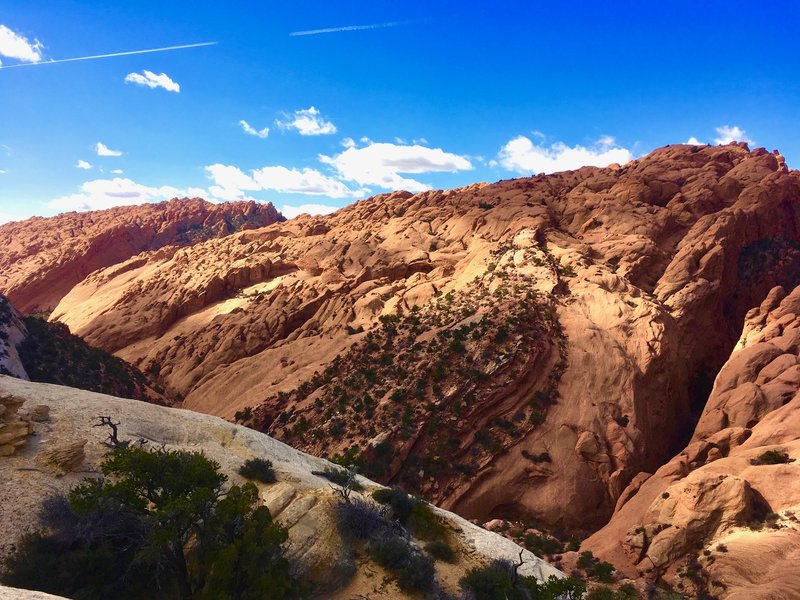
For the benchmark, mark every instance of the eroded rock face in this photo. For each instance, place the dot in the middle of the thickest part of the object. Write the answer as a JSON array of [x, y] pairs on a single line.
[[733, 490], [645, 273], [41, 259], [14, 427]]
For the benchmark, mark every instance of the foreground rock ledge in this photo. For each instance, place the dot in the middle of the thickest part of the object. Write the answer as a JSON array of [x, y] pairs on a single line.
[[300, 500]]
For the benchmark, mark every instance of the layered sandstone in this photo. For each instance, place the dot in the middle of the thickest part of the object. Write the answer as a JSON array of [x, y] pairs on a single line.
[[636, 278], [42, 258]]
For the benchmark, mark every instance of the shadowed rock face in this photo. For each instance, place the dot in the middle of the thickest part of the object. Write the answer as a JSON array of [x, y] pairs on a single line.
[[567, 332], [732, 492], [41, 259]]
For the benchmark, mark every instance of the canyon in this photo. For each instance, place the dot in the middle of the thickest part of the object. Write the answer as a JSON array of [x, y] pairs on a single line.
[[607, 352]]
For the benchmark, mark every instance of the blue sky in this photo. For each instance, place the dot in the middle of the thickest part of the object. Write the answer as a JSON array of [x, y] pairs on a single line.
[[401, 94]]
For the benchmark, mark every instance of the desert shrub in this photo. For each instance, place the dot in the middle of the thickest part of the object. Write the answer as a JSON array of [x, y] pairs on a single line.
[[339, 477], [441, 551], [412, 569], [243, 415], [358, 519], [424, 523], [542, 545], [499, 581], [411, 512], [259, 469], [158, 524], [772, 457], [398, 501], [586, 560], [602, 571]]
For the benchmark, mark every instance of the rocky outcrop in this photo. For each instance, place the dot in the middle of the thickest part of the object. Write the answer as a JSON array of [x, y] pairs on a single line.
[[300, 500], [728, 501], [14, 428], [12, 334], [41, 259], [642, 276]]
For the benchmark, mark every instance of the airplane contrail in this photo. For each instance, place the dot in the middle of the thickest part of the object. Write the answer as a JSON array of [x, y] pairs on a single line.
[[348, 28], [129, 53]]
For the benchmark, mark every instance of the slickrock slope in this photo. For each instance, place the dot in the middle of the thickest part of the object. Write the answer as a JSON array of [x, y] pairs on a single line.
[[300, 500], [567, 330], [42, 258], [730, 501]]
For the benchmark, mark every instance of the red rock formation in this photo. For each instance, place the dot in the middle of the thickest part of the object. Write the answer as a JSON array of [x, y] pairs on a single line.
[[648, 269], [41, 259]]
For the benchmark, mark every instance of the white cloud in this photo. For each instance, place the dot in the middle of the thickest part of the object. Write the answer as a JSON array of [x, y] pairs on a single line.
[[231, 183], [153, 81], [693, 141], [82, 164], [14, 45], [728, 134], [348, 142], [3, 171], [105, 193], [382, 163], [307, 121], [8, 217], [290, 212], [524, 156], [117, 171], [250, 130], [103, 150]]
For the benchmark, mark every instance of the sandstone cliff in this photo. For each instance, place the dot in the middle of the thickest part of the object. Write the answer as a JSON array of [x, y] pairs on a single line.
[[727, 503], [42, 258], [566, 334]]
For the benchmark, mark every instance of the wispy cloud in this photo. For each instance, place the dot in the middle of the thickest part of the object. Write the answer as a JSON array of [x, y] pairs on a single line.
[[307, 121], [250, 130], [111, 55], [82, 164], [103, 150], [15, 45], [153, 81], [349, 28]]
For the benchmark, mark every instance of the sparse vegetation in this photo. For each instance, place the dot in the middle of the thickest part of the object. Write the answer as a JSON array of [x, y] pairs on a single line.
[[499, 580], [772, 457], [258, 469], [51, 354], [160, 524]]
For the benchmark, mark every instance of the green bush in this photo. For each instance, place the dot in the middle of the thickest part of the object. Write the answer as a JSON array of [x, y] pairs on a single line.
[[411, 512], [412, 569], [441, 551], [259, 469], [339, 477], [773, 457], [499, 581], [157, 525]]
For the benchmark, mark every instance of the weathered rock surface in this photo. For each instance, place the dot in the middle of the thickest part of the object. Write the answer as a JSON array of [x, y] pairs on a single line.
[[642, 274], [42, 258], [300, 500], [12, 334], [14, 427], [721, 494]]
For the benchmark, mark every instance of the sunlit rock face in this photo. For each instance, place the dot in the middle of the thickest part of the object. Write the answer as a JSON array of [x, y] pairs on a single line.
[[567, 330], [41, 259]]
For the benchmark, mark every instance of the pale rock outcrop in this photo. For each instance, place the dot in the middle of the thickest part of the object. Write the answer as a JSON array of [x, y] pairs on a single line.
[[300, 500]]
